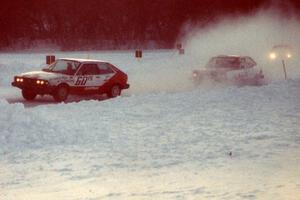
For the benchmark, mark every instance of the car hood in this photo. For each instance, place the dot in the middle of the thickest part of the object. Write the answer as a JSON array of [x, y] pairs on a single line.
[[41, 75]]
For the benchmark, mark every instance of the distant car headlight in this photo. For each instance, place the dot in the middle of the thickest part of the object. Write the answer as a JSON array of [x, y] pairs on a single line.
[[19, 79], [288, 55], [272, 56]]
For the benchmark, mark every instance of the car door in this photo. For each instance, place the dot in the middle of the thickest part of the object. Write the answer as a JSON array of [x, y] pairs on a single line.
[[236, 69], [250, 66]]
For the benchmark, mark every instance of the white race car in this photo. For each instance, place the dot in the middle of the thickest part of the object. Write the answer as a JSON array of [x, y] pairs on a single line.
[[72, 76], [240, 70]]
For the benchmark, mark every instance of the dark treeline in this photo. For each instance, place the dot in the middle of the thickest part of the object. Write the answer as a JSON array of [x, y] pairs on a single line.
[[109, 24]]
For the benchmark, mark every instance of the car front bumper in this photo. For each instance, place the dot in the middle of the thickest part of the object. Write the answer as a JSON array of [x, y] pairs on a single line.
[[126, 86], [38, 89]]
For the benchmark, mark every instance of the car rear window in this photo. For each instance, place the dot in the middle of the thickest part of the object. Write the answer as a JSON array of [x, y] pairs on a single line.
[[104, 68]]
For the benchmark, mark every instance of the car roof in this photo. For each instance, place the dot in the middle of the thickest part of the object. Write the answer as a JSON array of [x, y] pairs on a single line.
[[82, 60], [233, 56], [230, 56], [282, 46]]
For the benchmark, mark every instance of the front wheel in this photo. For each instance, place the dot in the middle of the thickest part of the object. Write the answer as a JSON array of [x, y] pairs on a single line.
[[114, 91], [28, 95], [61, 94]]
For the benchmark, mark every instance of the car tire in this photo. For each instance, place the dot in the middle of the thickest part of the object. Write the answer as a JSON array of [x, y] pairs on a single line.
[[114, 91], [28, 95], [61, 93]]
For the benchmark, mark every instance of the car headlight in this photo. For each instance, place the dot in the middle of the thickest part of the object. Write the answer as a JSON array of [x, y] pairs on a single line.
[[18, 79], [41, 82], [272, 56], [288, 55]]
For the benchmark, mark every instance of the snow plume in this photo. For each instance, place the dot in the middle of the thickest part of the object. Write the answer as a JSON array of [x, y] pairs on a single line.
[[154, 73], [252, 35]]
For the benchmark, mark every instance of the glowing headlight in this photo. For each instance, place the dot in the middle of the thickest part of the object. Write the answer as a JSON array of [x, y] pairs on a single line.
[[19, 79], [273, 56], [288, 55], [41, 82]]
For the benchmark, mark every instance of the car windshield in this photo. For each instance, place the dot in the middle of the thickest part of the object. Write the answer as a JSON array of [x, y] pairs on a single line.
[[223, 62], [282, 49], [63, 66]]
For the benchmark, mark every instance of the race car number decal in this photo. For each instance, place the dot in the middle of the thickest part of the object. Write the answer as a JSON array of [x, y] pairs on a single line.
[[81, 80]]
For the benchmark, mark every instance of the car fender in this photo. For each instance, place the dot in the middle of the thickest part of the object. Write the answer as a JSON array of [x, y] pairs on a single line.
[[69, 80]]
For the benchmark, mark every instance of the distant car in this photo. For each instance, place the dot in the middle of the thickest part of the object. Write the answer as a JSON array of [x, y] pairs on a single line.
[[281, 51], [240, 70], [72, 76]]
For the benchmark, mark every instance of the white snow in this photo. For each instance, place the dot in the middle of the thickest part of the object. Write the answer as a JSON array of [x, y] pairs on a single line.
[[163, 139]]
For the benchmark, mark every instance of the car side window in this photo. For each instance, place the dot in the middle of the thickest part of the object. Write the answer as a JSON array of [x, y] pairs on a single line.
[[250, 63], [88, 69], [104, 68]]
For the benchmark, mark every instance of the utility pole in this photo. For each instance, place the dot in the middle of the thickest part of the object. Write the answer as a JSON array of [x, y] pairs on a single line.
[[284, 70]]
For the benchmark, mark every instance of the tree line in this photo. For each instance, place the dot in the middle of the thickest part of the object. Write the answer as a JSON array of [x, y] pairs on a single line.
[[108, 24]]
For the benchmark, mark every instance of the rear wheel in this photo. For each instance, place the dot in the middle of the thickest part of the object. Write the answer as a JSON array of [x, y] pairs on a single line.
[[61, 93], [28, 95], [114, 91]]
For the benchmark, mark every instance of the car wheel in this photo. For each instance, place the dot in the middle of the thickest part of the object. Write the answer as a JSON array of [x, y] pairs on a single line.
[[28, 95], [114, 91], [61, 93]]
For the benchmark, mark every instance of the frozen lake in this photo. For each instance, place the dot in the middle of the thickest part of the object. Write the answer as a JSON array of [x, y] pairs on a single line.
[[162, 139]]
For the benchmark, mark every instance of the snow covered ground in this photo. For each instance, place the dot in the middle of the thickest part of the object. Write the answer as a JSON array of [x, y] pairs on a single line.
[[163, 139]]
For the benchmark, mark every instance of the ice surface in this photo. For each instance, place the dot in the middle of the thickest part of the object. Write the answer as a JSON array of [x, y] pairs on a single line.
[[163, 139]]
